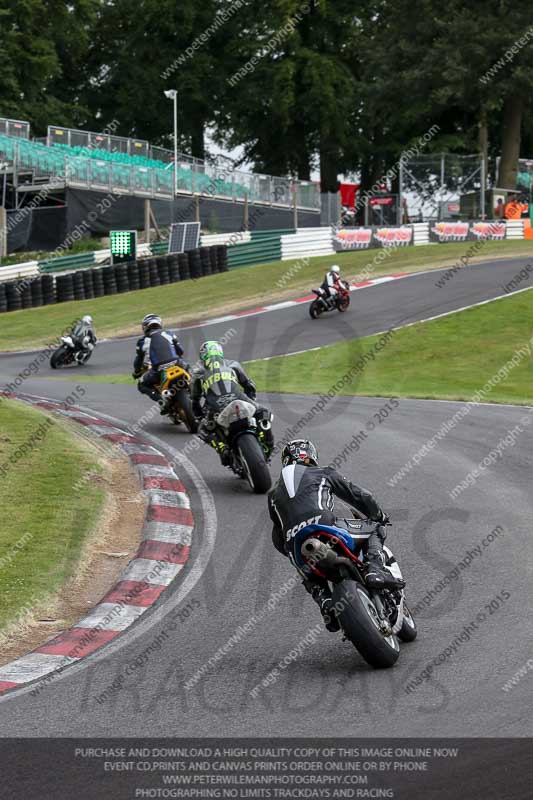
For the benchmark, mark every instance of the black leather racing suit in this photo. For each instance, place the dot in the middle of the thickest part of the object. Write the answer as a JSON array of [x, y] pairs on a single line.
[[161, 349], [219, 383], [305, 494]]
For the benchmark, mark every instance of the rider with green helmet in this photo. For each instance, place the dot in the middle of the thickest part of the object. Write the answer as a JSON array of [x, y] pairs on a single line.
[[218, 381]]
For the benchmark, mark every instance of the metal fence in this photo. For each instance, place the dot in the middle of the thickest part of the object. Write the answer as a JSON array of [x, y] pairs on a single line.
[[430, 183], [15, 127], [194, 175], [73, 137], [200, 178]]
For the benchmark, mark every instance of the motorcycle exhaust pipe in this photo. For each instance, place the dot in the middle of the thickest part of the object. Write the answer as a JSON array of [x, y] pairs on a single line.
[[265, 424], [316, 551]]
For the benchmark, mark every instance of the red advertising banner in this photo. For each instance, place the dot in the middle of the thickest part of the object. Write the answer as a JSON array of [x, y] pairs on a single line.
[[467, 231], [363, 238], [388, 237]]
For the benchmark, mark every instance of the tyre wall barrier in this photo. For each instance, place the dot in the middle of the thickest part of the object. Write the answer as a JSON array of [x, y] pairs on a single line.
[[38, 290]]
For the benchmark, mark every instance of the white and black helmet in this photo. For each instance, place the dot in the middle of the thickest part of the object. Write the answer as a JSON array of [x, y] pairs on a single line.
[[299, 451], [336, 269], [151, 322], [87, 319]]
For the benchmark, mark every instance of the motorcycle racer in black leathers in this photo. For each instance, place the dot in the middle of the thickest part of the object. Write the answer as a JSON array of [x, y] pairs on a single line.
[[220, 381], [304, 493], [161, 349]]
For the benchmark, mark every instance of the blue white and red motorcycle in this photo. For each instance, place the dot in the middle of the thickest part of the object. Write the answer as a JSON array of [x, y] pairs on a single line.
[[373, 620]]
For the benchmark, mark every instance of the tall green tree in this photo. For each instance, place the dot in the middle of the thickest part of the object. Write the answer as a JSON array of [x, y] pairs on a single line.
[[43, 47], [291, 109], [139, 52]]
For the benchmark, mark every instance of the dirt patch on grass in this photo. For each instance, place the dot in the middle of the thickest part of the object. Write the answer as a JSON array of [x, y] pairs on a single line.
[[107, 550]]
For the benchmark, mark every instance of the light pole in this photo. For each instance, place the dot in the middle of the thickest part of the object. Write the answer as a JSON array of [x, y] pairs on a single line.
[[172, 94]]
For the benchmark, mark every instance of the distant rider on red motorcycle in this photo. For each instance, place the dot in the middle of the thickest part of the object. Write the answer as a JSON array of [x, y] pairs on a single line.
[[330, 286]]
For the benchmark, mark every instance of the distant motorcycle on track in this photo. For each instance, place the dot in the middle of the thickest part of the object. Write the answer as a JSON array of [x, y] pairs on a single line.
[[323, 302], [71, 351]]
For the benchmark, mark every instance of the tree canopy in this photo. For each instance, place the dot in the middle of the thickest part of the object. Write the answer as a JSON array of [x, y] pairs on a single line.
[[330, 84]]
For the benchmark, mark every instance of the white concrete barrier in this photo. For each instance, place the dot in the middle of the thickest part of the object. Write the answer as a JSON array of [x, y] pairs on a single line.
[[19, 270], [515, 229], [420, 233], [307, 242]]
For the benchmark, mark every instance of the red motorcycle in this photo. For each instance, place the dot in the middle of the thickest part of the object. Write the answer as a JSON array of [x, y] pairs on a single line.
[[323, 302]]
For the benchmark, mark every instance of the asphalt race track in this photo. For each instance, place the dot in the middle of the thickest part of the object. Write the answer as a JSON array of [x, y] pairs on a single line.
[[372, 309], [328, 690]]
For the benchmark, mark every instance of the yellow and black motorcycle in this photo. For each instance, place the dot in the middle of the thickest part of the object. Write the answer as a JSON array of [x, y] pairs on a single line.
[[174, 388]]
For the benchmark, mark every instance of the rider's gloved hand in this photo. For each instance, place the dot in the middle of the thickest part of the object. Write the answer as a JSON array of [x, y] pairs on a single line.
[[251, 391], [382, 518]]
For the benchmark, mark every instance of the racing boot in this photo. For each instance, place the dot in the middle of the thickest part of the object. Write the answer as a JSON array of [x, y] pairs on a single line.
[[224, 453], [322, 598], [152, 393], [377, 577], [210, 438], [164, 401], [266, 439]]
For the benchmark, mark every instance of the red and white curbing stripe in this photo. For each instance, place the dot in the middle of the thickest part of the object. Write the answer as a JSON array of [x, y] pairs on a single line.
[[162, 554], [354, 287]]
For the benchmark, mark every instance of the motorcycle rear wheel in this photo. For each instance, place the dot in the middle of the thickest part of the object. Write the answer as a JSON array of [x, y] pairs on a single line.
[[183, 401], [256, 469], [360, 622]]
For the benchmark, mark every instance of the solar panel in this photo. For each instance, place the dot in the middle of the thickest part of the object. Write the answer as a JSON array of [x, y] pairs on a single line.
[[176, 239], [184, 236]]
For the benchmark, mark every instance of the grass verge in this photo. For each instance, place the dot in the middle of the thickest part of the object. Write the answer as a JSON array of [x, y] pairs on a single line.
[[241, 288], [44, 522], [450, 358]]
